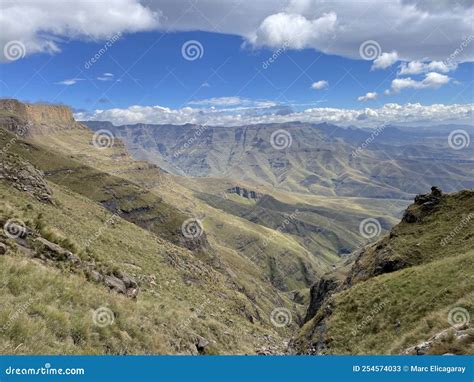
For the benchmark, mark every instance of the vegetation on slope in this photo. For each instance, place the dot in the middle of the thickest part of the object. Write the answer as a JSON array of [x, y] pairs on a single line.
[[405, 288]]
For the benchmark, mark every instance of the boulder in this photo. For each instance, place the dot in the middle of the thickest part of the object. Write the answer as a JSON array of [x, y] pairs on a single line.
[[201, 344], [115, 284], [58, 253]]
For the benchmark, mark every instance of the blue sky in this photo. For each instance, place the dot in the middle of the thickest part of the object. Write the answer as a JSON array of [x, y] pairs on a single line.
[[148, 68]]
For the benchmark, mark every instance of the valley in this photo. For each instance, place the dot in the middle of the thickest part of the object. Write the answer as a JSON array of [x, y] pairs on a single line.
[[199, 239]]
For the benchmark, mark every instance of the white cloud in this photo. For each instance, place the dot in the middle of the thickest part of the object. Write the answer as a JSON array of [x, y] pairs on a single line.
[[232, 102], [43, 24], [385, 60], [416, 30], [294, 30], [70, 81], [369, 117], [418, 67], [398, 26], [432, 80], [319, 85], [370, 96], [106, 77]]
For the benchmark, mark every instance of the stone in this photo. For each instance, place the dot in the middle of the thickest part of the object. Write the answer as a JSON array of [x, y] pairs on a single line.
[[3, 249], [201, 344], [115, 284], [57, 252]]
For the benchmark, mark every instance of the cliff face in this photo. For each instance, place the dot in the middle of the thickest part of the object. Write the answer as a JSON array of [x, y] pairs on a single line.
[[30, 119]]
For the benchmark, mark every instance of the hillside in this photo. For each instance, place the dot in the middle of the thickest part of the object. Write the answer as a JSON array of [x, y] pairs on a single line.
[[413, 288], [92, 244], [318, 159], [96, 234]]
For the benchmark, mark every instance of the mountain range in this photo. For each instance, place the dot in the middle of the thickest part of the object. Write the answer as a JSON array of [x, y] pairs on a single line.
[[141, 239]]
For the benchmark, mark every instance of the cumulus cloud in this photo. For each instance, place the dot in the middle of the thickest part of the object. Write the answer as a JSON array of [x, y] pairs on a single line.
[[418, 67], [294, 30], [432, 80], [320, 85], [370, 96], [415, 29], [385, 60], [389, 113], [42, 25]]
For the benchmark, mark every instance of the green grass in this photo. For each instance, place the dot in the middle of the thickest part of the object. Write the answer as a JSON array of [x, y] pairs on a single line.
[[388, 313], [180, 297]]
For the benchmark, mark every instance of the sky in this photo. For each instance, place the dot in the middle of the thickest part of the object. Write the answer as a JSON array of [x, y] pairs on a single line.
[[233, 62]]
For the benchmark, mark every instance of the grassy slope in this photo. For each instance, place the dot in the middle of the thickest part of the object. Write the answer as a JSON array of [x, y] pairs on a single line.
[[410, 305], [235, 237], [188, 298]]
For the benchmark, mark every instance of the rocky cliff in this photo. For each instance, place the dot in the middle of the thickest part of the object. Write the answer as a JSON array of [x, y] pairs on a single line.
[[30, 119]]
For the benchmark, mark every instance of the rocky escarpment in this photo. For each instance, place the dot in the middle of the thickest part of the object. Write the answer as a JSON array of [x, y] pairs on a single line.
[[243, 192], [24, 177], [29, 119]]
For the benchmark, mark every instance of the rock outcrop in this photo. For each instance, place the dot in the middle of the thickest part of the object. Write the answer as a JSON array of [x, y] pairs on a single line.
[[243, 192], [24, 177], [455, 336], [424, 205], [31, 242], [319, 293], [29, 119]]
